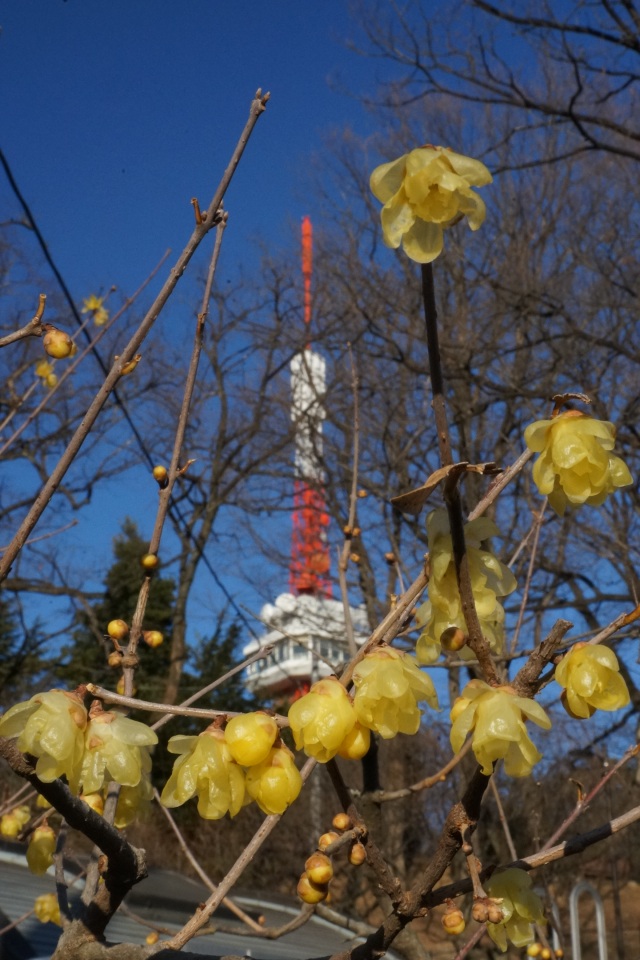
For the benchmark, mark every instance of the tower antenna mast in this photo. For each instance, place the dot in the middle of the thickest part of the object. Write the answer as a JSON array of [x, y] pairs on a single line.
[[310, 561]]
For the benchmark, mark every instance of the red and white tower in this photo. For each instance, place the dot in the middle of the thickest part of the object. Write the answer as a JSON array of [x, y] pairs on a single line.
[[306, 625], [310, 562]]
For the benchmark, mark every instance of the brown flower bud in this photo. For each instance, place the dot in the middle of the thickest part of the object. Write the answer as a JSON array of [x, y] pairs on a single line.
[[453, 639], [319, 868], [161, 475], [311, 892], [57, 343], [357, 854], [480, 911], [342, 821], [153, 638], [117, 629], [327, 839], [453, 922]]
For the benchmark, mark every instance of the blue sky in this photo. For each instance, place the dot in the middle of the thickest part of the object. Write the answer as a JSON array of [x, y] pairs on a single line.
[[121, 110]]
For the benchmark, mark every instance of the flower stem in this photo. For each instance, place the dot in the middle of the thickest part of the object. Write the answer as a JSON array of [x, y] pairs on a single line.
[[476, 639], [435, 366]]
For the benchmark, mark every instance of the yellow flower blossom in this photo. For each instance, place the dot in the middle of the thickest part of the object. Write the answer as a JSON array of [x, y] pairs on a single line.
[[590, 674], [95, 306], [12, 823], [575, 465], [389, 685], [356, 743], [250, 737], [44, 370], [47, 909], [424, 192], [115, 749], [490, 579], [275, 782], [322, 719], [50, 726], [41, 849], [521, 907], [134, 803], [205, 767], [496, 717]]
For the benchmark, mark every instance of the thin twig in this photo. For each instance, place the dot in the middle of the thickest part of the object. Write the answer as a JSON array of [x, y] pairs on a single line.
[[208, 882], [168, 708], [206, 910], [259, 655], [343, 557], [31, 329], [384, 796], [174, 469], [537, 527]]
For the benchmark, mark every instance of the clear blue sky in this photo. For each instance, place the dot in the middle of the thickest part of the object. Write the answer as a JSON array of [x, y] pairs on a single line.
[[116, 112]]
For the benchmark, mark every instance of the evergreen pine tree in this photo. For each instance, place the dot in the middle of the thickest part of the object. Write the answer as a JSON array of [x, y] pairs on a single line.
[[22, 668], [84, 660]]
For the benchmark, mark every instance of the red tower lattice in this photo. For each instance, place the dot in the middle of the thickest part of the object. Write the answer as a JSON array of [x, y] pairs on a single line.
[[310, 562]]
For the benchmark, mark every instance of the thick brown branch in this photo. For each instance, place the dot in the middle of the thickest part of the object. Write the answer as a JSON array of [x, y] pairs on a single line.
[[126, 864]]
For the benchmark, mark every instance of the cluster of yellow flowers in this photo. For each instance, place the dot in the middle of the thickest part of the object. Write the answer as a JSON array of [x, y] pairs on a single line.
[[211, 766], [575, 465], [89, 751], [495, 716], [95, 305], [441, 615], [388, 687]]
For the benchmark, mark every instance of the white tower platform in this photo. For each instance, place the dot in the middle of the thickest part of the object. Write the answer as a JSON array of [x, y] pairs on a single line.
[[309, 623]]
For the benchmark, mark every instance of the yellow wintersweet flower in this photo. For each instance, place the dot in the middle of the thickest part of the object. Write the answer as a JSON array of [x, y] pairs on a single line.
[[389, 685], [50, 726], [115, 749], [590, 674], [41, 849], [521, 907], [356, 743], [47, 909], [575, 465], [275, 782], [490, 579], [250, 737], [322, 719], [205, 768], [424, 192], [44, 370], [12, 823], [95, 306], [134, 802], [496, 717]]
